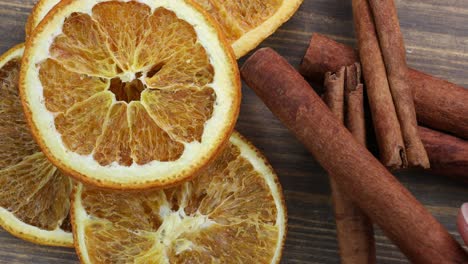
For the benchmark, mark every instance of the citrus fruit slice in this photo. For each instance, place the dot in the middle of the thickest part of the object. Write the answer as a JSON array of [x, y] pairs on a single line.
[[127, 94], [245, 23], [233, 212], [34, 195]]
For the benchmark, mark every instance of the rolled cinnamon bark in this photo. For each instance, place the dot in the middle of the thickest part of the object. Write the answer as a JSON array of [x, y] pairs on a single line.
[[334, 92], [448, 154], [354, 100], [440, 105], [394, 55], [353, 228], [367, 182], [387, 127], [325, 55]]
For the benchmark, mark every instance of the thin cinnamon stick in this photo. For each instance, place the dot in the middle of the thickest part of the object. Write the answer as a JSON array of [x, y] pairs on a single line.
[[334, 92], [440, 105], [354, 99], [368, 183], [387, 127], [448, 154], [394, 55], [354, 230]]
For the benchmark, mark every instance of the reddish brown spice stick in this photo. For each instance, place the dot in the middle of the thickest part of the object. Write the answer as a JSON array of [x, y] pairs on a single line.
[[354, 231], [394, 54], [325, 55], [367, 182], [355, 122], [334, 92], [354, 99], [387, 127], [439, 104], [448, 154]]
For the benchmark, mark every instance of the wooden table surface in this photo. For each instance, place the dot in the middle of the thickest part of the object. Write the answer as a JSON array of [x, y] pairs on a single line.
[[436, 33]]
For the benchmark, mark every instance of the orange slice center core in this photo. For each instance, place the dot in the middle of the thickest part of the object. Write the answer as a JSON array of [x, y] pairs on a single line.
[[127, 91]]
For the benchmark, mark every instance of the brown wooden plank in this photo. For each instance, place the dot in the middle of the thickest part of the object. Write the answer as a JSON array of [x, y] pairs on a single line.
[[436, 33]]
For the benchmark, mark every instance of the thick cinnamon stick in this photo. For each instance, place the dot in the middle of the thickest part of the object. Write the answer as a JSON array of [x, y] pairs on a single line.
[[440, 105], [448, 154], [354, 230], [367, 182], [387, 127], [394, 55]]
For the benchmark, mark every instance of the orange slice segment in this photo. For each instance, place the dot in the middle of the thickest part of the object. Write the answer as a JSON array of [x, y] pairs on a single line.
[[15, 140], [114, 143], [167, 58], [81, 128], [181, 112], [149, 141], [245, 23], [232, 212], [230, 27], [124, 34], [60, 86], [247, 14], [81, 47], [34, 195], [24, 181]]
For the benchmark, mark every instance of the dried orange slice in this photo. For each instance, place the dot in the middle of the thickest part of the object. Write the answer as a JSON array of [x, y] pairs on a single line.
[[245, 23], [34, 195], [233, 212], [130, 95]]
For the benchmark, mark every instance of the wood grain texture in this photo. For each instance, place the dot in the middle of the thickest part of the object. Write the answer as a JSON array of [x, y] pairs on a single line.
[[436, 35]]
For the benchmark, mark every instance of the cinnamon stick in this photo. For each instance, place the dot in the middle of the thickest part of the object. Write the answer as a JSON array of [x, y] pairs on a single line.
[[334, 92], [367, 182], [448, 154], [386, 124], [394, 55], [440, 105], [354, 231], [354, 99], [325, 55]]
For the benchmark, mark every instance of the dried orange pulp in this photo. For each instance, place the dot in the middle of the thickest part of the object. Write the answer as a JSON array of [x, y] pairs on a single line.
[[129, 95], [244, 22], [233, 212], [34, 195]]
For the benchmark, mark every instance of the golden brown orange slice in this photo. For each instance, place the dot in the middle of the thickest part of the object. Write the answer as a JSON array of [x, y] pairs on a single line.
[[127, 94], [233, 212], [34, 195], [245, 23]]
